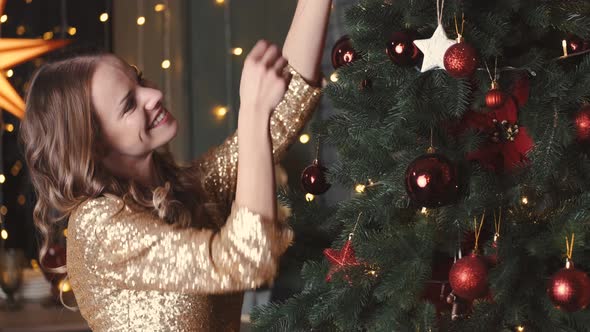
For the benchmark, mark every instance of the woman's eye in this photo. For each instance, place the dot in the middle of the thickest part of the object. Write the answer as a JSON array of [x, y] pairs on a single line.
[[130, 105]]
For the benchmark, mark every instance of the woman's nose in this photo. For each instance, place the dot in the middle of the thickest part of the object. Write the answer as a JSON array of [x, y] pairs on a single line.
[[152, 98]]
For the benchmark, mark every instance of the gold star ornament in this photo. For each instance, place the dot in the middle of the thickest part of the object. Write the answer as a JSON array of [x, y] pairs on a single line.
[[14, 51]]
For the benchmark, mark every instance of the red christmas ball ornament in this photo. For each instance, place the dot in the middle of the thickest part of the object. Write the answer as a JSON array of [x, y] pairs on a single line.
[[569, 289], [313, 179], [493, 256], [401, 49], [582, 124], [366, 84], [469, 277], [431, 181], [343, 53], [575, 44], [54, 258], [461, 60], [495, 98]]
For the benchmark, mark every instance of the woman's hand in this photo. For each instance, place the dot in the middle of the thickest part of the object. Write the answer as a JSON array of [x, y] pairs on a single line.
[[263, 82]]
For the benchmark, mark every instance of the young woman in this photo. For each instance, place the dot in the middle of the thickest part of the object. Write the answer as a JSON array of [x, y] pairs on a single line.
[[154, 246]]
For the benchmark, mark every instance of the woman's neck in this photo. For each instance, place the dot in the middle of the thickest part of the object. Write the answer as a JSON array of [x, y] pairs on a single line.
[[141, 169]]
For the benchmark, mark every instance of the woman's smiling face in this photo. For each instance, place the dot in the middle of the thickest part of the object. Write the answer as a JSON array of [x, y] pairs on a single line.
[[133, 119]]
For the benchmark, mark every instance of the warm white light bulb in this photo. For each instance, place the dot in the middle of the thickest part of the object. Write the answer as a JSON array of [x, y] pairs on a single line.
[[360, 188], [304, 139], [220, 112]]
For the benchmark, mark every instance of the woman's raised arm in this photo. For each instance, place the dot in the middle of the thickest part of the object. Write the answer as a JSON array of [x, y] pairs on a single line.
[[303, 49], [305, 40]]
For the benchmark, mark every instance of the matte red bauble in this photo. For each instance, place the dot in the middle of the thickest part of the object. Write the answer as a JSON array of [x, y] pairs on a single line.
[[431, 181], [343, 53], [469, 277], [461, 60], [582, 123], [313, 179], [569, 289], [401, 49], [495, 98]]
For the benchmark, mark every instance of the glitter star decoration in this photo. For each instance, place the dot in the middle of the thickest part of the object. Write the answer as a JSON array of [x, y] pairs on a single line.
[[434, 49], [340, 259], [14, 51]]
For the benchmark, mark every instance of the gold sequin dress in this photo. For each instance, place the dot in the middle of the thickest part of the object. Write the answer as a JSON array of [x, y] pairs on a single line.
[[132, 272]]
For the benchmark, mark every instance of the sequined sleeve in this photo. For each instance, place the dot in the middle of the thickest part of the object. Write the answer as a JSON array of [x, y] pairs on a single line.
[[219, 165], [133, 250]]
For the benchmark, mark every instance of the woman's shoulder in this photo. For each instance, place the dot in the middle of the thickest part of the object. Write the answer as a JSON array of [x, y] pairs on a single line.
[[98, 207]]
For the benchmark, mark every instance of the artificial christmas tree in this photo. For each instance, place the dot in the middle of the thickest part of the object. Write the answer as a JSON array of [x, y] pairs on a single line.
[[522, 152]]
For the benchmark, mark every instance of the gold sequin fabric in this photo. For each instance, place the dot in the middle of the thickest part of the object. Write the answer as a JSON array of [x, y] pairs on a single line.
[[130, 271], [220, 164]]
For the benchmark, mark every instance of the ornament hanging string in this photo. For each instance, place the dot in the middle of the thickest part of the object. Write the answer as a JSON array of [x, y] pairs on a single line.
[[478, 230], [317, 151], [460, 33], [497, 224], [569, 246], [355, 225], [495, 77], [431, 148], [440, 5]]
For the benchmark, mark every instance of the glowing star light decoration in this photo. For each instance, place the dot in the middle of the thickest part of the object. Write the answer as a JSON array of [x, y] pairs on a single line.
[[434, 49], [15, 51]]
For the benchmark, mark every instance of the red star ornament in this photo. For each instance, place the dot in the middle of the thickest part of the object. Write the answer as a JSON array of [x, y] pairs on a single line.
[[341, 259]]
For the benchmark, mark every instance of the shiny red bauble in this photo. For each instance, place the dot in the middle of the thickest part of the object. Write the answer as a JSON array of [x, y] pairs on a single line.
[[401, 49], [569, 289], [582, 124], [469, 277], [431, 181], [461, 60], [343, 53], [575, 44], [54, 258], [495, 97], [313, 179]]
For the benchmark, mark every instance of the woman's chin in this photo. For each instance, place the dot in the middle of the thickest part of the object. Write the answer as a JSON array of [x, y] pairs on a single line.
[[166, 133]]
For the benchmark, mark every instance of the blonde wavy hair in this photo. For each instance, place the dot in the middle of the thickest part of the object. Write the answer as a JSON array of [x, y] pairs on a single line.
[[60, 134]]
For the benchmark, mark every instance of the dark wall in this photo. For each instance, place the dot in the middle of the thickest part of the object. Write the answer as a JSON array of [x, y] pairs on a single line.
[[250, 20]]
